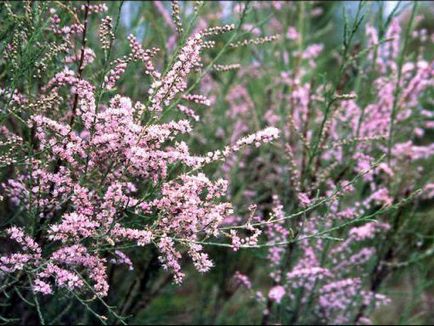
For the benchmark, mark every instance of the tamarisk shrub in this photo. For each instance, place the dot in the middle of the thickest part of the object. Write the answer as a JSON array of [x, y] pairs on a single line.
[[131, 162], [93, 172], [334, 194]]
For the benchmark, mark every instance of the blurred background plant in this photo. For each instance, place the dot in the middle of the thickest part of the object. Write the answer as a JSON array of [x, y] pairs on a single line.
[[343, 198]]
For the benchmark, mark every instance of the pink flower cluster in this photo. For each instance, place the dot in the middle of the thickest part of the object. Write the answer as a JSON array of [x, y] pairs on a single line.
[[103, 177], [318, 273], [17, 261], [163, 91]]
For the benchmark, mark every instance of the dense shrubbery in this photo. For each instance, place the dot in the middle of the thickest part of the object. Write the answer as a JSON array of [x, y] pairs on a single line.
[[285, 159]]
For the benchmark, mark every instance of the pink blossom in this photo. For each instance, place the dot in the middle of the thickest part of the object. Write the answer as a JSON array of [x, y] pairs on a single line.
[[276, 293]]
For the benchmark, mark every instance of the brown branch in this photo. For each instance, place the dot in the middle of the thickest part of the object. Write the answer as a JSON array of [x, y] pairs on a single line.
[[267, 312], [381, 269], [80, 66], [305, 130]]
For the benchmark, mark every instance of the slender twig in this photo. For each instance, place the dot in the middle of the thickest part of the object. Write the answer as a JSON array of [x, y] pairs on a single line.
[[80, 65], [38, 307], [398, 89]]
